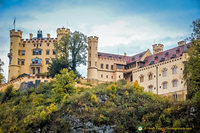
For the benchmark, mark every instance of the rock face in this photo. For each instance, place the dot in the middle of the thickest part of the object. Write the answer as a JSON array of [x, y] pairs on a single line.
[[76, 126], [26, 85]]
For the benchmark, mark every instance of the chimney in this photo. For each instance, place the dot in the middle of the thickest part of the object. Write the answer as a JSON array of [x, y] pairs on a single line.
[[31, 36], [181, 43], [157, 48], [48, 36], [124, 53]]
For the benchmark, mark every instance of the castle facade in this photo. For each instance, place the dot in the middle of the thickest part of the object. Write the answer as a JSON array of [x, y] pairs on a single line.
[[160, 72], [31, 56]]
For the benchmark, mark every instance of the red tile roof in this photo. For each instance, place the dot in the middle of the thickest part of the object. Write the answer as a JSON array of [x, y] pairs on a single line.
[[165, 55], [128, 59]]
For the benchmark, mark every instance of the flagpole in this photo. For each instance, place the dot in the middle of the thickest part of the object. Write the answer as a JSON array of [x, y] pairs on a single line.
[[14, 22]]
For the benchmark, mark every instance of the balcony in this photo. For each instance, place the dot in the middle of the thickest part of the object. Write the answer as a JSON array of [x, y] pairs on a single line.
[[36, 64], [9, 55]]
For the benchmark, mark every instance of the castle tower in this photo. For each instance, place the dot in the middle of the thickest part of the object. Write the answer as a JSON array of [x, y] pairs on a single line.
[[61, 32], [157, 48], [92, 58], [15, 38]]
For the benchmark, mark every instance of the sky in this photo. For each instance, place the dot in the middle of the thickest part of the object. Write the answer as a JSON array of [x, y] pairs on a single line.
[[130, 26]]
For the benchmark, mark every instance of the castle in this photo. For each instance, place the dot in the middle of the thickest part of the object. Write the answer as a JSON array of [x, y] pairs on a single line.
[[160, 72], [31, 56]]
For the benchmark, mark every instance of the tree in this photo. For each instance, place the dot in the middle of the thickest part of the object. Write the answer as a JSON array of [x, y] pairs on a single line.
[[78, 50], [192, 71], [1, 70], [71, 52]]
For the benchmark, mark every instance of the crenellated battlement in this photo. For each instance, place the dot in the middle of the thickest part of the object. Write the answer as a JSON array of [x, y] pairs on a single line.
[[92, 39], [13, 33], [62, 31]]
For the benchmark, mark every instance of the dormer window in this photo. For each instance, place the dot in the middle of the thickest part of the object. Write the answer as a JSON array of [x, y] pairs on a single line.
[[177, 51], [166, 54], [156, 57]]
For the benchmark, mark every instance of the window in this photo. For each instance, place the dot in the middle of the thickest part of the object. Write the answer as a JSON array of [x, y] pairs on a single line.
[[89, 63], [36, 61], [18, 52], [150, 76], [141, 78], [106, 66], [34, 45], [38, 69], [111, 67], [175, 83], [22, 61], [174, 70], [33, 69], [23, 45], [18, 61], [119, 76], [164, 72], [102, 66], [23, 52], [150, 88], [47, 60], [54, 52], [175, 96], [106, 76], [47, 52], [11, 43], [101, 75], [48, 44], [164, 85], [37, 52], [111, 77]]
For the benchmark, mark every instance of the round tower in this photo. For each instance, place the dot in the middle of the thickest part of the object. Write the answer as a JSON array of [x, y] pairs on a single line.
[[15, 39], [92, 58], [61, 32]]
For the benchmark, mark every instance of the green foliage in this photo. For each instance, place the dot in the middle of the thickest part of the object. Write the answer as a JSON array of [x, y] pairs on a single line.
[[64, 84], [76, 44], [51, 105], [56, 66], [78, 50], [8, 94], [192, 71]]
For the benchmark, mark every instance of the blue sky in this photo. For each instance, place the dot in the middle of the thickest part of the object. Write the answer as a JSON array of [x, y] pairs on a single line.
[[130, 26]]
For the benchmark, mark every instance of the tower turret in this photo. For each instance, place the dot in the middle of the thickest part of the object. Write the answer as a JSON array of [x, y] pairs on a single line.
[[157, 48], [92, 58], [61, 32], [15, 38]]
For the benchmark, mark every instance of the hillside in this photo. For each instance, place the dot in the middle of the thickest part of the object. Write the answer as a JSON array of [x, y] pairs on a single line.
[[59, 106]]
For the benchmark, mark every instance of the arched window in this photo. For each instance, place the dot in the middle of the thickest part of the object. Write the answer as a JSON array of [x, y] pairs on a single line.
[[36, 61], [165, 85], [141, 78], [174, 70], [164, 72], [150, 76], [175, 83], [150, 88]]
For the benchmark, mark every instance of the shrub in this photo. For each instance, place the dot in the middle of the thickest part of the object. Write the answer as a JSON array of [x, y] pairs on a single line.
[[94, 99]]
